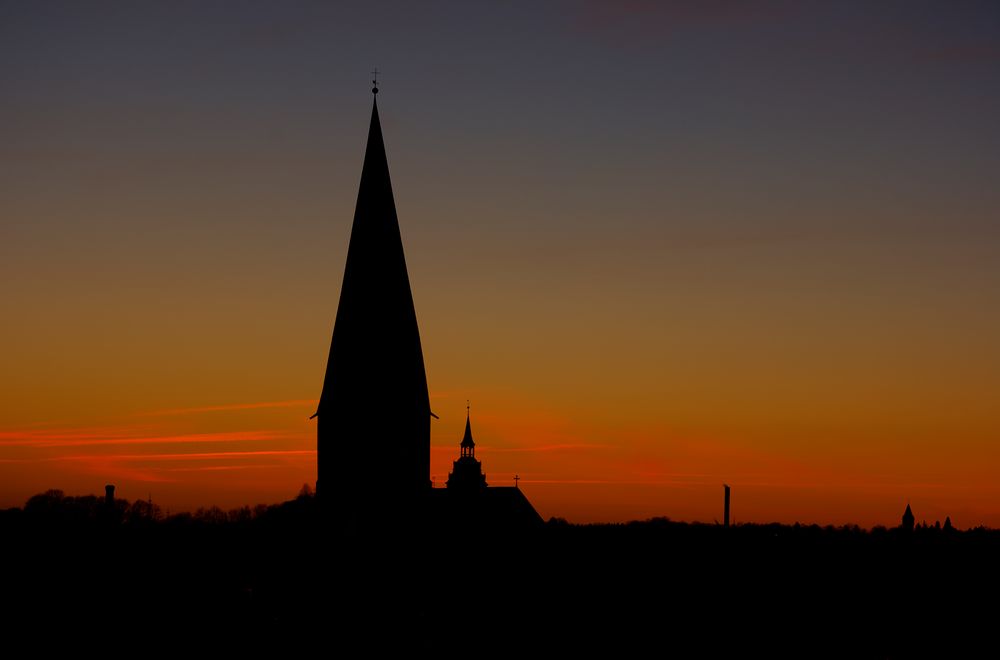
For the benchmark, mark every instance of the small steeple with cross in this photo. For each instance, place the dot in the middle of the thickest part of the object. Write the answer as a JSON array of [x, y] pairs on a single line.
[[468, 445], [468, 473]]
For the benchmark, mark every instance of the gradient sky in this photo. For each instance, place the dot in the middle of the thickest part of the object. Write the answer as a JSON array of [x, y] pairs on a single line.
[[659, 245]]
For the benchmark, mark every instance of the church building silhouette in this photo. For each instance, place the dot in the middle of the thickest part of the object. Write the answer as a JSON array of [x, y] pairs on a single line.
[[374, 415]]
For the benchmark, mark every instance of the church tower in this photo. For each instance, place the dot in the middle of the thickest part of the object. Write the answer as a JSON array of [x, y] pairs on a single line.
[[908, 519], [373, 427], [467, 473]]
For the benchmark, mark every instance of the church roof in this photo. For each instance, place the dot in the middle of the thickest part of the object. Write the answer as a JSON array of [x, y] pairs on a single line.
[[376, 360], [497, 509]]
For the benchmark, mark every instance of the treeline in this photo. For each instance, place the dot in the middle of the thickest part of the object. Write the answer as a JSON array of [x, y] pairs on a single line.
[[54, 507], [283, 572]]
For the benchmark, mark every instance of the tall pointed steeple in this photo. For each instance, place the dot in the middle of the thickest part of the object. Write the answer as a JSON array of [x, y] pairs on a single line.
[[373, 432]]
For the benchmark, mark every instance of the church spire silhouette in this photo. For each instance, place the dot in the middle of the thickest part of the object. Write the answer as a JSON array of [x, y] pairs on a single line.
[[908, 519], [468, 445], [373, 431], [467, 474]]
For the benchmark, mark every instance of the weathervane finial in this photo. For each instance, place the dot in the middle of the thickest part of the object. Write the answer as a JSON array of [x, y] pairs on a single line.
[[375, 80]]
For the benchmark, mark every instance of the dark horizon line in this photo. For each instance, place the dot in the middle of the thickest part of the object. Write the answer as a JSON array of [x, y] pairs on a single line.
[[306, 492]]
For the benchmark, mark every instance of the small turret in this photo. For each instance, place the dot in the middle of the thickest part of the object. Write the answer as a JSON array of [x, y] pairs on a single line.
[[467, 473], [908, 519]]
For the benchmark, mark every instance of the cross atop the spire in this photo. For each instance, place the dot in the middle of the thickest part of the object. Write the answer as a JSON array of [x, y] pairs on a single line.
[[375, 80]]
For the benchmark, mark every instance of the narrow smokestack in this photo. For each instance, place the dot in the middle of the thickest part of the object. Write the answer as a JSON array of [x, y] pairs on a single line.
[[725, 515], [109, 495]]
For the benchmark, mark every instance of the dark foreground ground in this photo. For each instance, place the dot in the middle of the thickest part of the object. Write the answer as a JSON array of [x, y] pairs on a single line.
[[276, 578]]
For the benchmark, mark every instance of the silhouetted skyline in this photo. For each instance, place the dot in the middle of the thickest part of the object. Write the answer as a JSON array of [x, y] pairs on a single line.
[[282, 574], [663, 247]]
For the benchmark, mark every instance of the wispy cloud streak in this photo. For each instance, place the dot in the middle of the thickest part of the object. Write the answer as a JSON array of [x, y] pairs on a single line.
[[294, 403], [198, 456], [86, 438]]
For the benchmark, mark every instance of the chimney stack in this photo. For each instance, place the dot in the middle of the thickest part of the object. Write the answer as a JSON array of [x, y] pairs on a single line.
[[725, 515]]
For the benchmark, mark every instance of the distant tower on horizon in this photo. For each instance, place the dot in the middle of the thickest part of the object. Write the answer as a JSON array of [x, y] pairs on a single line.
[[908, 519], [467, 472], [373, 427], [725, 514], [468, 504]]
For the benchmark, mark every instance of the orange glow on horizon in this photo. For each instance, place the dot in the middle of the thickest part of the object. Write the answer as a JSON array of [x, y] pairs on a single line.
[[585, 472], [659, 251]]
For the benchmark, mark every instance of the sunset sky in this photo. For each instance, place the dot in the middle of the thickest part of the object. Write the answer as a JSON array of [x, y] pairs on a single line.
[[661, 246]]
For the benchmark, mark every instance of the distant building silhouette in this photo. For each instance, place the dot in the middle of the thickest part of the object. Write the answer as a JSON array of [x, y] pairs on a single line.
[[908, 519], [467, 504], [109, 495], [725, 507], [467, 473], [373, 417]]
